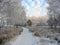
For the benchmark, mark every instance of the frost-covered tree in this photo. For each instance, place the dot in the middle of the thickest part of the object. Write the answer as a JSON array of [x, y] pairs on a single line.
[[18, 13], [54, 7], [54, 10], [14, 11]]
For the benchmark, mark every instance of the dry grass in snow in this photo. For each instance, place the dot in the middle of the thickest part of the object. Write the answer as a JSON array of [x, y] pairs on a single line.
[[8, 34], [48, 33]]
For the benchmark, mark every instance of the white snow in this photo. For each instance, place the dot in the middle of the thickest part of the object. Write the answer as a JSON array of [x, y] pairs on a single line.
[[26, 38]]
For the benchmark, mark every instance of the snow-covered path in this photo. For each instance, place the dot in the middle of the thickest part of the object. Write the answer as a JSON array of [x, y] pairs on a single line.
[[26, 38]]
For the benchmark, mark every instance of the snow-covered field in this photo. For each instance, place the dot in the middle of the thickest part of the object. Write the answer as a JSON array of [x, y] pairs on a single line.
[[26, 38]]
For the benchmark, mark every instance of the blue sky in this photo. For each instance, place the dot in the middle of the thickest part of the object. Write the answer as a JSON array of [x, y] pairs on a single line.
[[35, 7]]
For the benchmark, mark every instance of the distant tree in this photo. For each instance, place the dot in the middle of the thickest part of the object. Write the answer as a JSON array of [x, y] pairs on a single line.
[[55, 22], [29, 22], [52, 22]]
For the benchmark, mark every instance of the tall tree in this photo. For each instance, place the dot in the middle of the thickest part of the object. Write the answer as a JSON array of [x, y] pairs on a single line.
[[54, 10], [14, 11]]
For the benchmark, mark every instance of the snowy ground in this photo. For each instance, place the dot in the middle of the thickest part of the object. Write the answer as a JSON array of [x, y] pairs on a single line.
[[26, 38]]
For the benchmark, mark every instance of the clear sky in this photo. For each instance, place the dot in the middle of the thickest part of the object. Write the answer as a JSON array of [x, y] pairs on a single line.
[[35, 7]]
